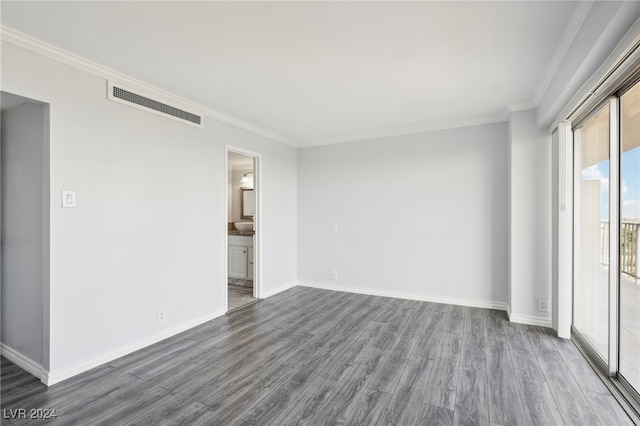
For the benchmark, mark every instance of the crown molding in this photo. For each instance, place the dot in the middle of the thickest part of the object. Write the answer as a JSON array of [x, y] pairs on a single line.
[[518, 107], [58, 54], [406, 131], [510, 109]]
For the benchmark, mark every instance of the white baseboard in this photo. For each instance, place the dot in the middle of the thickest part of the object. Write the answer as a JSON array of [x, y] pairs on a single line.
[[530, 320], [521, 319], [27, 364], [51, 377], [57, 376], [280, 289], [403, 295]]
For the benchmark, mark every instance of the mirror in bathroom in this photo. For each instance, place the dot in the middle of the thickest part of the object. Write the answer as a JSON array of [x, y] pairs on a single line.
[[248, 203]]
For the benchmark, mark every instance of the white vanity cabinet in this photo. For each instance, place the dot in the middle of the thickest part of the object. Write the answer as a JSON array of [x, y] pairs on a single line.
[[240, 257]]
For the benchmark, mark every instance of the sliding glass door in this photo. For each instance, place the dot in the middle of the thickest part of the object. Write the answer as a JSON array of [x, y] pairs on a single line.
[[606, 283], [591, 221], [629, 244]]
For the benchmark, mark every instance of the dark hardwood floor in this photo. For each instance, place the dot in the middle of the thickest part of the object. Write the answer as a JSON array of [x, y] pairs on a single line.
[[309, 356]]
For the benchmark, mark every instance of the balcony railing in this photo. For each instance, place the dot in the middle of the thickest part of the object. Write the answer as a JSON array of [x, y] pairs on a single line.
[[629, 247]]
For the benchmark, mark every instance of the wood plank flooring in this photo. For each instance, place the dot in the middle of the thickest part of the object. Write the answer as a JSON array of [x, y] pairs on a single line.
[[316, 357]]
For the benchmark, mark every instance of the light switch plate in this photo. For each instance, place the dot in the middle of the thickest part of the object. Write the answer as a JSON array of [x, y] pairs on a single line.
[[68, 199]]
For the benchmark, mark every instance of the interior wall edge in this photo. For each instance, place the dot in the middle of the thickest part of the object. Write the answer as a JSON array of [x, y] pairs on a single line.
[[24, 362]]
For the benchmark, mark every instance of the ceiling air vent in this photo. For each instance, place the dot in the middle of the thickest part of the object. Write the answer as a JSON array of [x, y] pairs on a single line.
[[125, 95]]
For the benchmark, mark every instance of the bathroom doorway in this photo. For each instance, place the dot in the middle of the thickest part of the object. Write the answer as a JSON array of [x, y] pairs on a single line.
[[242, 229]]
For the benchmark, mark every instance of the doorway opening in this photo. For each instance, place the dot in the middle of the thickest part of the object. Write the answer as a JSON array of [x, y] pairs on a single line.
[[242, 231]]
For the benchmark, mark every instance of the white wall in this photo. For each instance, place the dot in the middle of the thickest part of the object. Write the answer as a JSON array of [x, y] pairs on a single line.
[[419, 216], [148, 232], [530, 218], [24, 139]]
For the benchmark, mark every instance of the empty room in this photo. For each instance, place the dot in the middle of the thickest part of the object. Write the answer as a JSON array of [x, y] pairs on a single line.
[[292, 212]]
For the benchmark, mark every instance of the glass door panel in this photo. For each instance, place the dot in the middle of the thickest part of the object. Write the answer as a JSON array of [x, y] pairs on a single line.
[[591, 221], [629, 359]]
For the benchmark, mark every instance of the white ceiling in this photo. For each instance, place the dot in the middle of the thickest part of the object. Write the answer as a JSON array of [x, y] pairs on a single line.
[[322, 72]]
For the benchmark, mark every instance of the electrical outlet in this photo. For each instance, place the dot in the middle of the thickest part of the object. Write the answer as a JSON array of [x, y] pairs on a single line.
[[543, 305], [334, 275], [334, 227], [161, 316]]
